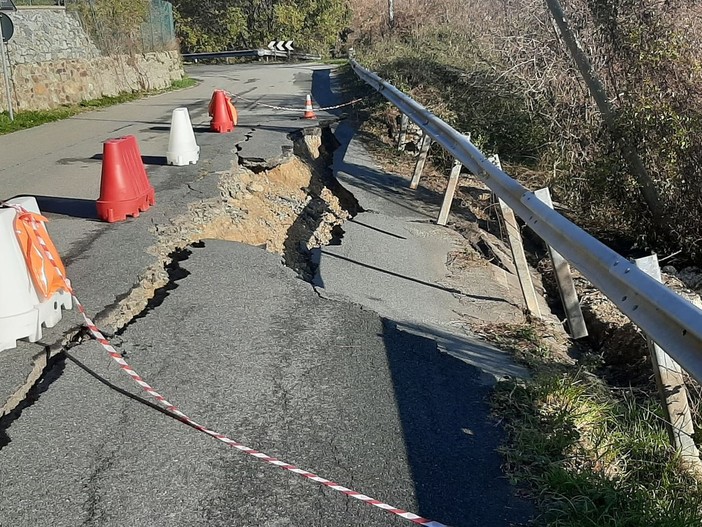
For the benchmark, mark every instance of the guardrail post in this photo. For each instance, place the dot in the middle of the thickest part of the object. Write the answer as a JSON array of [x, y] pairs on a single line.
[[450, 190], [402, 138], [514, 237], [421, 161], [520, 262], [671, 385], [564, 280]]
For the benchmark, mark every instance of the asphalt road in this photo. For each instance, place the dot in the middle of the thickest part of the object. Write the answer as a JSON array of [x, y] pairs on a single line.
[[245, 347], [60, 164]]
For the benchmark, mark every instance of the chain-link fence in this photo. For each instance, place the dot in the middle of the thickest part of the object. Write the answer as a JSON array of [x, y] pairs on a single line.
[[121, 26], [158, 31]]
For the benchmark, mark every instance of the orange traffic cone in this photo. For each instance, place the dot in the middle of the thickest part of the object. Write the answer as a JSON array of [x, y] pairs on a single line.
[[223, 114], [309, 113], [124, 187]]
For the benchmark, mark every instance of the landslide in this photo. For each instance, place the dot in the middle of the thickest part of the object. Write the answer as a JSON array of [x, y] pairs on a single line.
[[287, 209], [501, 73], [587, 433]]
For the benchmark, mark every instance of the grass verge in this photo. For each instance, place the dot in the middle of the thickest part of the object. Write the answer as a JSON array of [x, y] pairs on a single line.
[[590, 455], [29, 119], [593, 457]]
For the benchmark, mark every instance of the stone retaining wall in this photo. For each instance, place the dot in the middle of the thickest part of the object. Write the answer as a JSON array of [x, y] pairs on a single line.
[[48, 34], [50, 84], [54, 62]]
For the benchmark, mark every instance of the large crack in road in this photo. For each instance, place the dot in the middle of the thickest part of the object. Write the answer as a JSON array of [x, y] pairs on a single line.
[[315, 374], [289, 210], [288, 207]]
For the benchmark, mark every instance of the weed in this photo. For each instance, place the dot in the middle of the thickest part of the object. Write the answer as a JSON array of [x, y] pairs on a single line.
[[526, 332], [524, 341], [29, 119], [185, 82], [594, 458]]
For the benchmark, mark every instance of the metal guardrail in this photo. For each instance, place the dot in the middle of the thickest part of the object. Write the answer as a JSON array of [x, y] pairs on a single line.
[[252, 53], [666, 317]]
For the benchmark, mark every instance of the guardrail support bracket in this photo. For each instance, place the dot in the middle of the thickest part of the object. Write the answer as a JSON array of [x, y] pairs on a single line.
[[402, 138], [450, 190], [564, 280]]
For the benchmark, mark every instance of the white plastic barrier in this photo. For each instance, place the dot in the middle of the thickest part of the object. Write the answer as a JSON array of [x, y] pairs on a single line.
[[22, 313], [182, 147]]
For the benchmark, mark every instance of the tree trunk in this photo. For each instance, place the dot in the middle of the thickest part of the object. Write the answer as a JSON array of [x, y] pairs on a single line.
[[643, 179]]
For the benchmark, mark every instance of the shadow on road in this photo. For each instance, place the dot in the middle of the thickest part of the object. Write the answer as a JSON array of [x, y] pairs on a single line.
[[376, 229], [443, 402], [147, 160], [167, 128], [391, 187], [449, 435], [74, 207], [408, 278]]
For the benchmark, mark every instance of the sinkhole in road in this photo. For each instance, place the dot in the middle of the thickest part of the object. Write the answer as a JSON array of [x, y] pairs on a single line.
[[287, 209]]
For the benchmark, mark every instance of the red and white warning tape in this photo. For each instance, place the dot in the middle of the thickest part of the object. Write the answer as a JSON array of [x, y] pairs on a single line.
[[126, 368], [258, 103]]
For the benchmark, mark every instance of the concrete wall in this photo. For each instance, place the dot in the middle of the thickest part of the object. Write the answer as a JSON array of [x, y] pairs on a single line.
[[54, 62]]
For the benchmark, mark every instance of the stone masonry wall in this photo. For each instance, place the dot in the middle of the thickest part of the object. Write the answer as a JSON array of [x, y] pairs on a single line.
[[54, 62], [48, 34], [50, 84]]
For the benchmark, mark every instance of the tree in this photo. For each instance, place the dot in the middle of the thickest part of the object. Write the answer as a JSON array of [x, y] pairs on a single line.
[[640, 173], [216, 25]]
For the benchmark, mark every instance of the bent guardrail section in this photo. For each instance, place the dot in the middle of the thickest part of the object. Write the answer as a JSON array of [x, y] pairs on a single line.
[[669, 319]]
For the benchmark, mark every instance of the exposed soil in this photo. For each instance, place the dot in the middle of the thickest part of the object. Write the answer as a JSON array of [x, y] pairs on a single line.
[[287, 210], [272, 202]]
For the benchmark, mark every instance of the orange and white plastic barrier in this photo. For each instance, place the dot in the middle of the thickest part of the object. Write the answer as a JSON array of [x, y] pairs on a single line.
[[223, 113], [31, 292]]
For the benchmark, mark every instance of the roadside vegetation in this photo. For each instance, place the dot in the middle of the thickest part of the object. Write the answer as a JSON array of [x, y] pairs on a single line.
[[587, 438], [499, 69], [593, 454], [29, 119], [316, 26]]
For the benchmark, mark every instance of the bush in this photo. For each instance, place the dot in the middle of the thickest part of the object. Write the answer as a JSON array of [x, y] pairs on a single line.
[[498, 69]]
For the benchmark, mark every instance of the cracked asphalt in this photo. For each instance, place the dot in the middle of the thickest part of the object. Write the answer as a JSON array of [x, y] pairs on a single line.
[[59, 163], [241, 344]]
